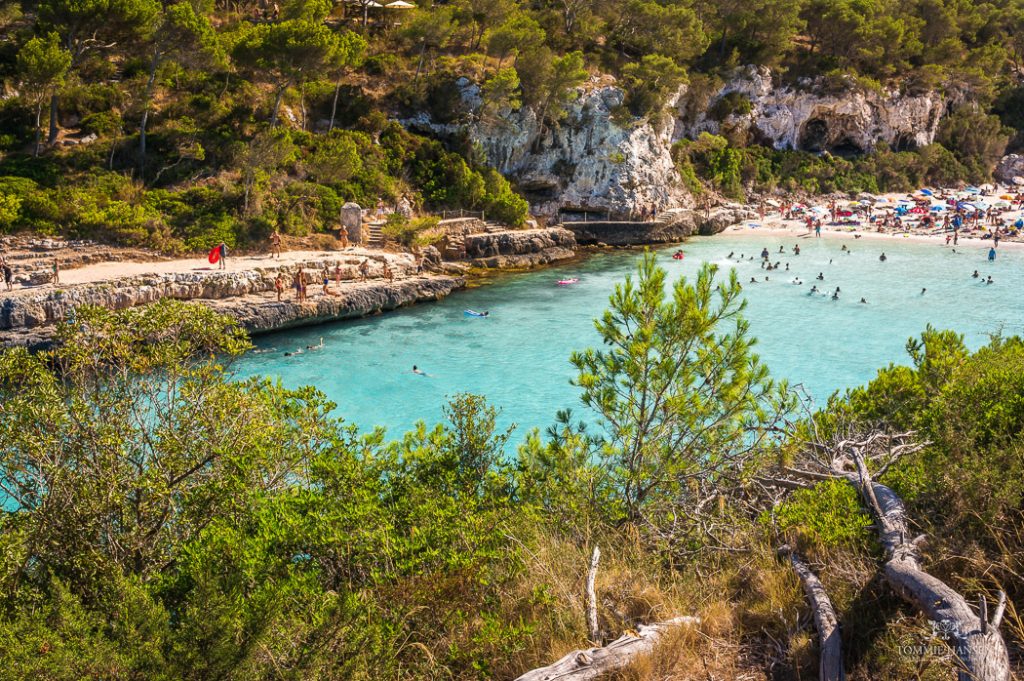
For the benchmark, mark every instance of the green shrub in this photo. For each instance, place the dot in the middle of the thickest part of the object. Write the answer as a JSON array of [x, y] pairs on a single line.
[[828, 516]]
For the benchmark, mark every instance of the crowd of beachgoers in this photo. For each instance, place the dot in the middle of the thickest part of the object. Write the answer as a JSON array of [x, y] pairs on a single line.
[[989, 212]]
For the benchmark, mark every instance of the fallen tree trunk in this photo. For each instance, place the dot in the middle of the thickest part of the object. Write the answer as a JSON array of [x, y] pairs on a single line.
[[830, 666], [977, 644], [581, 665]]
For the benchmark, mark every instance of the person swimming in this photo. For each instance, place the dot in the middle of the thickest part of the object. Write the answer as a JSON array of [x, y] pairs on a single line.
[[730, 255], [797, 281], [882, 257], [989, 280], [843, 248], [787, 266], [975, 275], [753, 281], [316, 347], [923, 291], [814, 289], [781, 250], [821, 276], [419, 372], [796, 249], [835, 294], [863, 302], [292, 354]]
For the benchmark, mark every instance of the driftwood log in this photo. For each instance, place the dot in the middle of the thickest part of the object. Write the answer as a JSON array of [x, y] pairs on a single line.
[[976, 642], [830, 666], [975, 639], [581, 665]]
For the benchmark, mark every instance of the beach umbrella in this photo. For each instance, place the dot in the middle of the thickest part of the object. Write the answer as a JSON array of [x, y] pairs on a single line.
[[926, 192], [400, 4], [972, 190], [1006, 197], [773, 203]]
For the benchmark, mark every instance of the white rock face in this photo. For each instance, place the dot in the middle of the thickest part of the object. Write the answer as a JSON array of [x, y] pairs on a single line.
[[588, 161], [1010, 169], [592, 161], [855, 121]]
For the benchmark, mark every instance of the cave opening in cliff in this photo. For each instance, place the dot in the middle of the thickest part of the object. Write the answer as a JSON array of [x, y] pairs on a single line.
[[814, 136], [846, 147]]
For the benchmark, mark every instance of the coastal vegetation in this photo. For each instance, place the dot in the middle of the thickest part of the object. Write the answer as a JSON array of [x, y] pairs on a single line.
[[164, 519], [176, 125]]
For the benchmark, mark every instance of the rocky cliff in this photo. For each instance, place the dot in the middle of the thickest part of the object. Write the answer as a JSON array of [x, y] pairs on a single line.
[[599, 159], [812, 116]]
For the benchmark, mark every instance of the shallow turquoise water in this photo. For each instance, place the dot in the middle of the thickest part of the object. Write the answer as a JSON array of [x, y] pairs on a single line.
[[519, 356]]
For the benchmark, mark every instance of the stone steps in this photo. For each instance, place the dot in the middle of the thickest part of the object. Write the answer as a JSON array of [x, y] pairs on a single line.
[[375, 236]]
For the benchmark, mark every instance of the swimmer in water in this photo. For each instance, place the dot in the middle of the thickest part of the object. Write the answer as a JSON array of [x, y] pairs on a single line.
[[796, 249], [821, 276], [863, 302], [753, 281], [975, 275], [419, 372], [843, 248], [989, 280], [292, 354], [882, 257], [798, 282], [316, 347], [730, 255], [830, 261], [781, 250], [835, 295], [923, 290], [787, 266], [814, 289]]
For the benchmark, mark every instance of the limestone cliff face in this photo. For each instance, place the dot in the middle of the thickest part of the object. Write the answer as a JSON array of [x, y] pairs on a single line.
[[810, 118], [596, 159], [599, 159]]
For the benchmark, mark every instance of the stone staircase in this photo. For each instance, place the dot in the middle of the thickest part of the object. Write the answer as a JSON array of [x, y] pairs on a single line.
[[374, 236]]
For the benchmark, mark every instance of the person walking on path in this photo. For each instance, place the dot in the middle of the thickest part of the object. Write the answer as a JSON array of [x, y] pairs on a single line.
[[275, 244]]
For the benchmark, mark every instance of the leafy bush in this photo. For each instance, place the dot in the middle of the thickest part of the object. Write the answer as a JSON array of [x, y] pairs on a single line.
[[828, 516]]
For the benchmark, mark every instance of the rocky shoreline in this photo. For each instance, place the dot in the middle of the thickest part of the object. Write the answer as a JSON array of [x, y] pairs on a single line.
[[121, 279]]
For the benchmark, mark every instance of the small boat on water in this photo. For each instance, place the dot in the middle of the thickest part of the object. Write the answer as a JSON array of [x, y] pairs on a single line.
[[566, 282], [474, 313]]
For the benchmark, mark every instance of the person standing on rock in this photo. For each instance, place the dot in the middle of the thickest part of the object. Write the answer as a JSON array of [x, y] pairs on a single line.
[[8, 275], [364, 268], [279, 286], [275, 244], [56, 272], [223, 248], [388, 274], [337, 274]]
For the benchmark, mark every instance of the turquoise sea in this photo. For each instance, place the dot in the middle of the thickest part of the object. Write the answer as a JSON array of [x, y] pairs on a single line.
[[519, 356]]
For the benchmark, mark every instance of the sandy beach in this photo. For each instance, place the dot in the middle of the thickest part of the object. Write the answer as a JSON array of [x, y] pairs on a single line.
[[860, 226]]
